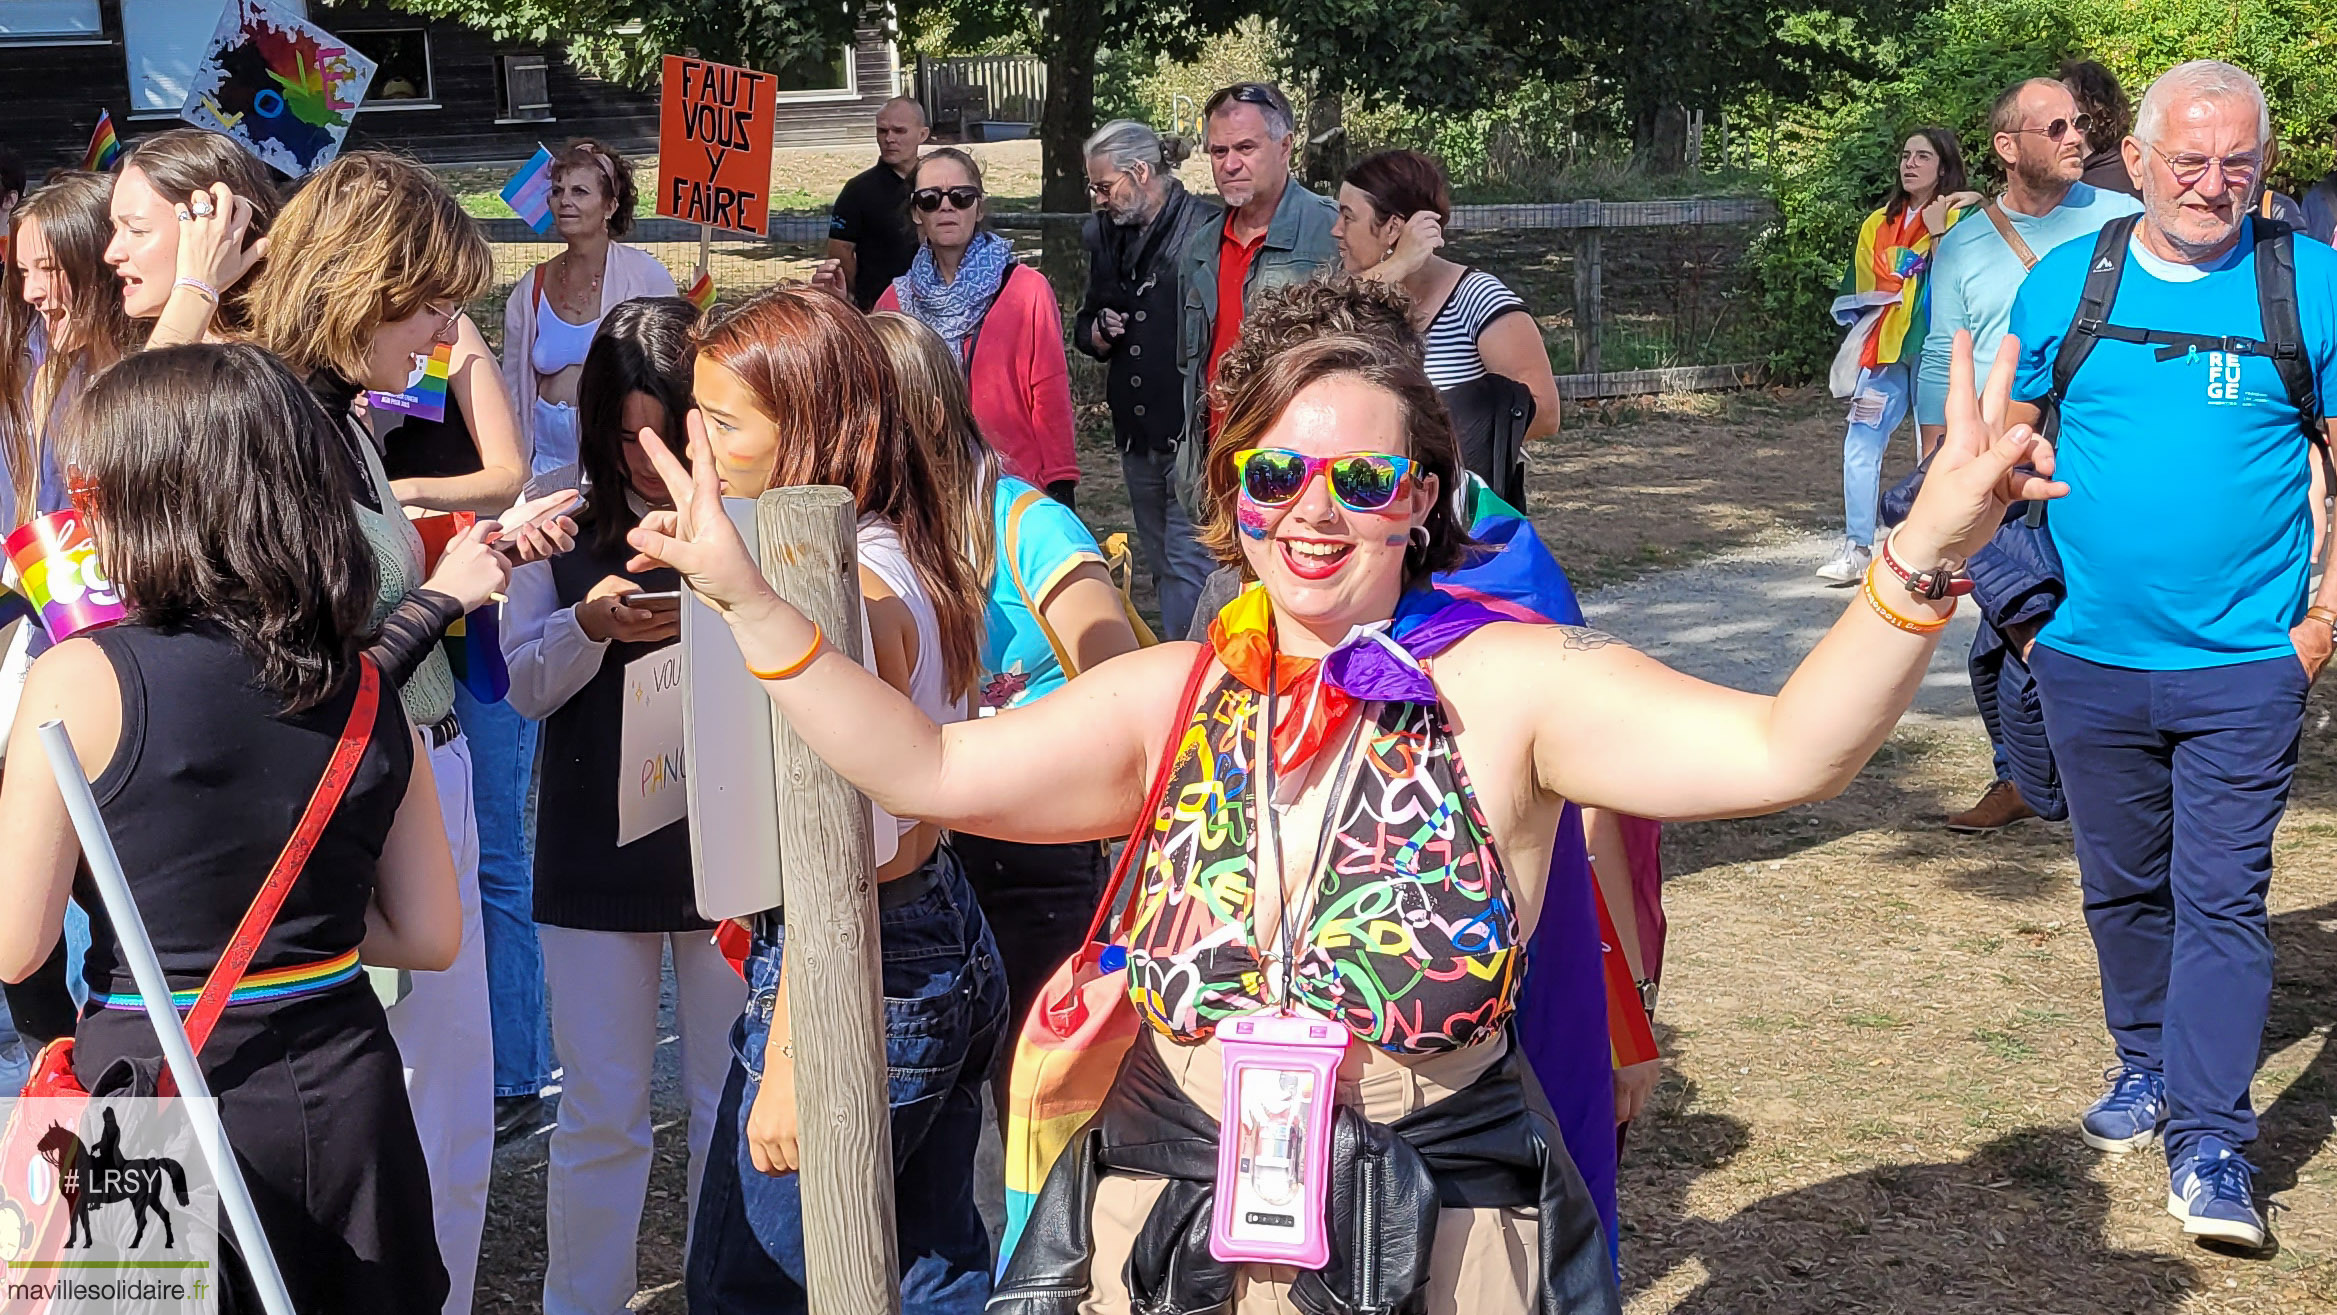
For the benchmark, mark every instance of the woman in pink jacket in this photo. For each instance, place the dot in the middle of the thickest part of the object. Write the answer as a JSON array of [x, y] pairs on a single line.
[[999, 316]]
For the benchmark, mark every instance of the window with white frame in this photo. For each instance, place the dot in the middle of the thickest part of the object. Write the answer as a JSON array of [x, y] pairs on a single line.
[[401, 56], [35, 22], [162, 41]]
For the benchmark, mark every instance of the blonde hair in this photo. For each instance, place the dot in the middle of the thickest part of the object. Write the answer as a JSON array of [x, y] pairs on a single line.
[[939, 412], [369, 239]]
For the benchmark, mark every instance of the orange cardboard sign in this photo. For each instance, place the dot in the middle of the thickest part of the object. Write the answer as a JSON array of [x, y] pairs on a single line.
[[714, 145]]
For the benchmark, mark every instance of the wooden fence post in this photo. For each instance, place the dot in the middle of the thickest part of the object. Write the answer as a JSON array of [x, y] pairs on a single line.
[[828, 869], [1588, 322]]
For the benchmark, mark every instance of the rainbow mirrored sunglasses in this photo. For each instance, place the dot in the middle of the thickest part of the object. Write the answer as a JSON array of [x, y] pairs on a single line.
[[1360, 481]]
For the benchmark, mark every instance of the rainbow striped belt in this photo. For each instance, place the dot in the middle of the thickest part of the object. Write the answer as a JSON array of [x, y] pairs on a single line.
[[274, 984]]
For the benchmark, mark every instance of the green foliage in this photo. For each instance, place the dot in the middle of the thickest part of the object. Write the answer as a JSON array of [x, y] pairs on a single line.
[[624, 40], [1834, 161]]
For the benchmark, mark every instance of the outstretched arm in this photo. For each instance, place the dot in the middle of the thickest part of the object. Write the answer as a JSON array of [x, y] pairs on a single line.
[[1615, 728], [1072, 766]]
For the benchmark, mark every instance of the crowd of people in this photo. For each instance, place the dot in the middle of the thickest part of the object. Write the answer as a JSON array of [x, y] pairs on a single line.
[[1352, 781]]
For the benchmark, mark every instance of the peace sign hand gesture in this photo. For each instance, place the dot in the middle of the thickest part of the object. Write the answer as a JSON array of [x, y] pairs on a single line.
[[1982, 467], [696, 538]]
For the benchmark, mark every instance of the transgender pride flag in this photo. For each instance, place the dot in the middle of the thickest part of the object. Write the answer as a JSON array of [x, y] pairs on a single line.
[[529, 193]]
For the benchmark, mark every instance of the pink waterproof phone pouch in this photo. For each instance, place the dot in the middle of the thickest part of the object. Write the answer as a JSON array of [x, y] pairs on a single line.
[[1274, 1138]]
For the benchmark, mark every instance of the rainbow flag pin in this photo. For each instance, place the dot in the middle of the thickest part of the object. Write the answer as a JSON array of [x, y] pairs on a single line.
[[701, 293], [425, 395], [104, 146], [529, 193]]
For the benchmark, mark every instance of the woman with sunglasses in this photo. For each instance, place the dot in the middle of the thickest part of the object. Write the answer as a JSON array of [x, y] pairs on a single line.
[[368, 267], [1319, 845], [998, 315]]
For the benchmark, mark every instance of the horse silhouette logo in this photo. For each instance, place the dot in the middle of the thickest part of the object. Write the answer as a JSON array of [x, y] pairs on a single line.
[[88, 1177]]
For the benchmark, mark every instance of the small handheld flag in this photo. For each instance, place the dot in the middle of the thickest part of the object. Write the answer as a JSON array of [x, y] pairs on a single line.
[[425, 395], [529, 193], [701, 293], [104, 146]]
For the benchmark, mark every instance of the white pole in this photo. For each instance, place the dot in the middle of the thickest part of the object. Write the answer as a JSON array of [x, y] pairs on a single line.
[[153, 988]]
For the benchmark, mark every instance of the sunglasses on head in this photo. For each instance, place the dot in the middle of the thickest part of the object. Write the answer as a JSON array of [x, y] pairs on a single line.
[[1361, 481], [1249, 93], [929, 199]]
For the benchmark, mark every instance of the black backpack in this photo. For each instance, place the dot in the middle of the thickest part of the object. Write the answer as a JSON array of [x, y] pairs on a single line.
[[2283, 339]]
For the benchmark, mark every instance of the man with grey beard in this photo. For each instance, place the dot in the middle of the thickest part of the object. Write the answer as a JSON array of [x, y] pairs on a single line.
[[1128, 320], [2185, 353]]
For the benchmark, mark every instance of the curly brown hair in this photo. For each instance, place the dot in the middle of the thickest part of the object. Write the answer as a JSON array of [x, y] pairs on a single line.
[[612, 174]]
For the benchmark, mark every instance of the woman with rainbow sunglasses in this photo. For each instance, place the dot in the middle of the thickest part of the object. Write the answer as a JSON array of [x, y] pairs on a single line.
[[1358, 781]]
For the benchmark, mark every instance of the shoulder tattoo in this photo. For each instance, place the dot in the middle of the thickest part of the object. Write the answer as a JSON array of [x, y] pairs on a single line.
[[1583, 639]]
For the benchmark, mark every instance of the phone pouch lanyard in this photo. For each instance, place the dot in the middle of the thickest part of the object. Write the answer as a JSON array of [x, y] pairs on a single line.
[[1274, 1138]]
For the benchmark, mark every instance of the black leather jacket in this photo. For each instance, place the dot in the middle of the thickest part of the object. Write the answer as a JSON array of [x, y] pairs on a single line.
[[1484, 1146]]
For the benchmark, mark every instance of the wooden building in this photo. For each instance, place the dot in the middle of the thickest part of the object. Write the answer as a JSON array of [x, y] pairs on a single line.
[[444, 92]]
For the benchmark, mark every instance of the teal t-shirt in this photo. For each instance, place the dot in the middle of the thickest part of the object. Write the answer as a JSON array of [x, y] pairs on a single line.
[[2185, 533], [1044, 545]]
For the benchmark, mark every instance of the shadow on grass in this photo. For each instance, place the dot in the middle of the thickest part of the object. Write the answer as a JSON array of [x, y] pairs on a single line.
[[2018, 1226]]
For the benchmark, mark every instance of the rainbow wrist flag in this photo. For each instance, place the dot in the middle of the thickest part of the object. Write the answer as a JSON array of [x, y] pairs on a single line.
[[104, 146]]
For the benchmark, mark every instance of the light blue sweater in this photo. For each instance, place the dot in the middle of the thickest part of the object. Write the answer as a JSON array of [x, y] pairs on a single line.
[[1975, 275]]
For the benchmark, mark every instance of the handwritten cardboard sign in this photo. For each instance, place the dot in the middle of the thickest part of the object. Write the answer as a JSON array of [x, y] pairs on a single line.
[[650, 790], [714, 145]]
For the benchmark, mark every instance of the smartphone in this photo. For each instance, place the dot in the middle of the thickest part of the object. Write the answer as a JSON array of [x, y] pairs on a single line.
[[668, 600], [506, 540]]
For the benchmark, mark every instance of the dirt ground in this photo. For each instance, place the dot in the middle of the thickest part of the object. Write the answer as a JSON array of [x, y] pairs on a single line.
[[1878, 1034]]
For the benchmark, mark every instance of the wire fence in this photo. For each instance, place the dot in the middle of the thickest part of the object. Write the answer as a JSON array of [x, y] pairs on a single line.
[[1631, 297]]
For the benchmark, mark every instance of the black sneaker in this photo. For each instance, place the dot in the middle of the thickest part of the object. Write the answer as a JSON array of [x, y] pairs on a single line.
[[518, 1116]]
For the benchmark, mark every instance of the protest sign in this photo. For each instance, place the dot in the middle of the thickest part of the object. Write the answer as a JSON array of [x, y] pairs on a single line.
[[650, 793], [282, 87], [714, 145]]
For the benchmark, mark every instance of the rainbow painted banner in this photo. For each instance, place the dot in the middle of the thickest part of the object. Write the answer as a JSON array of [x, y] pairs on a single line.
[[425, 395], [57, 568]]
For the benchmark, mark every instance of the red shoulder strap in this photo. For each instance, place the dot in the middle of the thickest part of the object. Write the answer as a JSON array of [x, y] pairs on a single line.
[[1160, 777], [262, 914]]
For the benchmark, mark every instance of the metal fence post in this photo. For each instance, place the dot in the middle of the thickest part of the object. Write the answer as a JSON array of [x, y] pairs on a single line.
[[1588, 325]]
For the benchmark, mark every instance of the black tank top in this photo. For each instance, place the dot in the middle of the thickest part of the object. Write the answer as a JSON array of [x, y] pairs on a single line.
[[206, 783]]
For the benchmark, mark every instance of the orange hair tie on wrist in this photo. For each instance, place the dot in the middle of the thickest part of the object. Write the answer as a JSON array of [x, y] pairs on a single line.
[[1906, 623], [818, 640]]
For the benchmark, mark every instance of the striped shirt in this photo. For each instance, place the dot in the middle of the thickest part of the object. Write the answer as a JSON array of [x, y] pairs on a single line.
[[1476, 301]]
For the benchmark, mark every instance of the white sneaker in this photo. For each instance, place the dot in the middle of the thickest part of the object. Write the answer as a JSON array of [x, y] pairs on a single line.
[[1849, 564]]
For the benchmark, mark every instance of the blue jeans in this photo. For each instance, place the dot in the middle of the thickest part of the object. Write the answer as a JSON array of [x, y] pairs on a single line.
[[945, 1016], [1176, 559], [1877, 406], [503, 759], [2175, 781]]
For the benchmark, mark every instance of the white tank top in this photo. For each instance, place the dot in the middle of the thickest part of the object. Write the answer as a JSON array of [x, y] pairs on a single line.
[[558, 343], [881, 552]]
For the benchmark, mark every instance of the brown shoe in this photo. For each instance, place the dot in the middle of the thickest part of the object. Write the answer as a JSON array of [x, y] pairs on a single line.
[[1999, 808]]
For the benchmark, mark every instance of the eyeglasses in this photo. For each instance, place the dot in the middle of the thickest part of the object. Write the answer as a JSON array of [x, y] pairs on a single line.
[[1103, 191], [1361, 481], [2060, 128], [2190, 168], [929, 199]]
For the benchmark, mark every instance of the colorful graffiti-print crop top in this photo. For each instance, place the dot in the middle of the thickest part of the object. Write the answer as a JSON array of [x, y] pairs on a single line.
[[1412, 937]]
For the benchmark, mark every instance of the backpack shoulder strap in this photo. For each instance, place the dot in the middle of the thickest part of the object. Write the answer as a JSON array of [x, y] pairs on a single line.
[[2284, 334], [1009, 558], [2093, 305], [2012, 238]]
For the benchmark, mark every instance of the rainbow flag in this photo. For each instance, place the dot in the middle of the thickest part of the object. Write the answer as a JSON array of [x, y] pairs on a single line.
[[104, 146], [701, 293], [529, 193], [425, 395], [473, 644]]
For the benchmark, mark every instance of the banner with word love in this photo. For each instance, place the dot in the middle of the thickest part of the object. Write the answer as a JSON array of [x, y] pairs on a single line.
[[714, 145]]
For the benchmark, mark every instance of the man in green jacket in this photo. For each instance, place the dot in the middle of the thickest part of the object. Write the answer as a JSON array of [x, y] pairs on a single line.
[[1275, 233]]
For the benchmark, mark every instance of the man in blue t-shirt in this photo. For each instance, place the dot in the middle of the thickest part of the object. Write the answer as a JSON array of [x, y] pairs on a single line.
[[2173, 677]]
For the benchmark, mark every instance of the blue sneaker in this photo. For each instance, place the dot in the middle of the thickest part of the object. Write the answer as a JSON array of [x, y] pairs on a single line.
[[2129, 1115], [2212, 1192]]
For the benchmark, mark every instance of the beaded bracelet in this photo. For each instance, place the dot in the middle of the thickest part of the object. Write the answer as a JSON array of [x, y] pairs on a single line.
[[817, 639], [1909, 624]]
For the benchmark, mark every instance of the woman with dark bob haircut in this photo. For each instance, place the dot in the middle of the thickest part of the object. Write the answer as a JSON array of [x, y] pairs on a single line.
[[1320, 850], [206, 474]]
